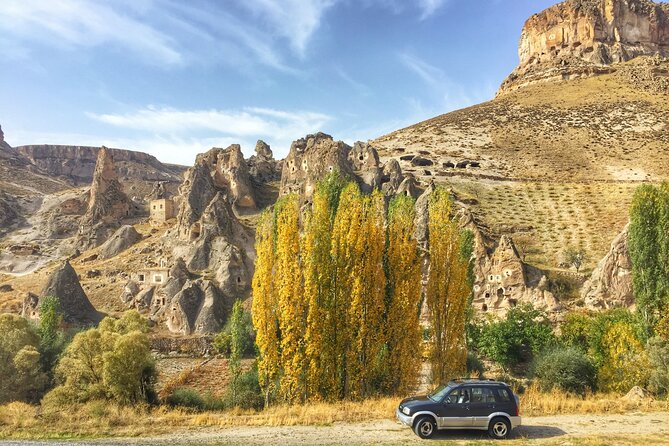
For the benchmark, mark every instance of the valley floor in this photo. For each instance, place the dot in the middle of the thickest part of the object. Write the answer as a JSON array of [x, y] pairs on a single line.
[[620, 429]]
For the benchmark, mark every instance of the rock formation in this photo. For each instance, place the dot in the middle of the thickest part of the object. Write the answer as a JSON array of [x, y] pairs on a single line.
[[122, 239], [610, 284], [107, 203], [311, 158], [504, 281], [77, 163], [64, 284], [263, 168], [582, 37]]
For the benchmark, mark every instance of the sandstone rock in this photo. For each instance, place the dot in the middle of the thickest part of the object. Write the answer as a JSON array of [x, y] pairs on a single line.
[[144, 299], [313, 157], [130, 290], [197, 309], [504, 281], [122, 239], [77, 163], [610, 284], [158, 192], [581, 37], [107, 204], [64, 284], [637, 393], [409, 187], [391, 177]]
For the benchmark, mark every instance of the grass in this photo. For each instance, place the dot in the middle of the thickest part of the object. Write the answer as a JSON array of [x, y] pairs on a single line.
[[103, 419]]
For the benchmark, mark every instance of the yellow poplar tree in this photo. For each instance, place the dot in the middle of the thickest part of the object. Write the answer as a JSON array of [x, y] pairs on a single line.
[[318, 286], [626, 363], [292, 307], [448, 289], [265, 306], [404, 278], [366, 312]]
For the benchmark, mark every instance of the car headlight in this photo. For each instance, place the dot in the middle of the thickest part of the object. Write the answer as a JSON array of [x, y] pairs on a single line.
[[406, 410]]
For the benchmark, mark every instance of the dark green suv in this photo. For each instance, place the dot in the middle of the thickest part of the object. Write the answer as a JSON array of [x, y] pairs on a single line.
[[463, 404]]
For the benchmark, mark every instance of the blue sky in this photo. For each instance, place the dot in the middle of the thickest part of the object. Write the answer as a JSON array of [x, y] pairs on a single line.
[[175, 77]]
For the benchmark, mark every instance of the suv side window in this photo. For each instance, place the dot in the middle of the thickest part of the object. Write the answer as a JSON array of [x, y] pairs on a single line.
[[482, 395], [503, 395], [458, 396]]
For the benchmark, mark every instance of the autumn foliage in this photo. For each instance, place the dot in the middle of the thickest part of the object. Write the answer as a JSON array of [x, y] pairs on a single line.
[[337, 294]]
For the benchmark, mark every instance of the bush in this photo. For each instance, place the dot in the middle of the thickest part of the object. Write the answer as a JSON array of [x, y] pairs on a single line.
[[247, 394], [474, 365], [187, 398], [658, 356], [566, 368], [625, 363], [524, 333], [21, 375], [222, 342], [113, 361]]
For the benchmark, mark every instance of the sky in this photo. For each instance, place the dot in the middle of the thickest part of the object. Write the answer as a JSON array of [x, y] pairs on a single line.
[[174, 78]]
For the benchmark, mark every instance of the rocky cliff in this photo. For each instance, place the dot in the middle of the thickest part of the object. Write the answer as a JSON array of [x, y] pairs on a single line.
[[77, 163], [579, 38], [610, 284]]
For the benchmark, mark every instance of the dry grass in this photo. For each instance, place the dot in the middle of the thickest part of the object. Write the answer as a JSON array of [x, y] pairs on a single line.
[[534, 403]]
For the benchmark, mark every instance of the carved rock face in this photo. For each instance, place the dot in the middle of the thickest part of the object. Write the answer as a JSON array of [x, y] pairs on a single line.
[[64, 284], [577, 36], [610, 284]]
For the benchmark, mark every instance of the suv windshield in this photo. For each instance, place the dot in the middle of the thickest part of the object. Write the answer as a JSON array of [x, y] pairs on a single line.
[[439, 393]]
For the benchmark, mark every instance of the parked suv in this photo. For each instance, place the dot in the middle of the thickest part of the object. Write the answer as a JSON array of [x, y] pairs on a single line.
[[463, 404]]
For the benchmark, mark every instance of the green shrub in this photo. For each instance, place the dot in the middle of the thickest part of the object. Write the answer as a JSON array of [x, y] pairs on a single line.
[[474, 365], [186, 398], [658, 356], [524, 333], [248, 394], [566, 368], [222, 342]]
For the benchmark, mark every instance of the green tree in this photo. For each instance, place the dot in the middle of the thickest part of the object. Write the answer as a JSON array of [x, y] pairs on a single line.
[[112, 361], [21, 375], [237, 339], [566, 368], [523, 333], [658, 357], [649, 249], [575, 257], [52, 338]]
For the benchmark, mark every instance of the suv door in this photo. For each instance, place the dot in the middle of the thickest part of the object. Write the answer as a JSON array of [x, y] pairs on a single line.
[[482, 405], [454, 410], [506, 402]]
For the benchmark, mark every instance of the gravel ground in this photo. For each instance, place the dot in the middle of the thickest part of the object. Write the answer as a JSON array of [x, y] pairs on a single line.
[[563, 429]]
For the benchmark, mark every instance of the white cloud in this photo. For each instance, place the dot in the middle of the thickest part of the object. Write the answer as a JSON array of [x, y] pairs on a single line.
[[429, 7], [445, 95], [170, 127], [295, 20], [80, 23]]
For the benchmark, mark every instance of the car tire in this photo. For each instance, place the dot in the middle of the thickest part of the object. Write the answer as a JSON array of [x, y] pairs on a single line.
[[425, 427], [499, 428]]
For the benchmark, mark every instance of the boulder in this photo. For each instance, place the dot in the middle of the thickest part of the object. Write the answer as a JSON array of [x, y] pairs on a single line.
[[263, 168], [122, 239], [64, 284], [610, 284], [391, 177]]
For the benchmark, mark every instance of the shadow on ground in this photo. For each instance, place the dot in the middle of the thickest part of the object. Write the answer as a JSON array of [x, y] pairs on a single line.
[[529, 432]]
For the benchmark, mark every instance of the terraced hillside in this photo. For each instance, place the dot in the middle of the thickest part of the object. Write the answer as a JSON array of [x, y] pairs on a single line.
[[555, 162]]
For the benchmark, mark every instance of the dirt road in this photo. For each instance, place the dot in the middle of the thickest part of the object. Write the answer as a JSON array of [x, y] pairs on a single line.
[[650, 429]]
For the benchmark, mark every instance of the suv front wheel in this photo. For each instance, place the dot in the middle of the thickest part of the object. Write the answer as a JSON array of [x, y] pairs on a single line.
[[499, 428], [425, 427]]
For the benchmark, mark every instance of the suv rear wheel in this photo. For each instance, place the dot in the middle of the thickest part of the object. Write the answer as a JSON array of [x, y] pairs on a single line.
[[425, 427], [499, 428]]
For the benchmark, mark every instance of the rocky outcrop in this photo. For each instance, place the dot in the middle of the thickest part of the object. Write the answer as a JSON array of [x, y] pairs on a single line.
[[503, 281], [122, 239], [64, 284], [107, 203], [313, 157], [197, 309], [610, 284], [263, 168], [78, 163], [583, 37]]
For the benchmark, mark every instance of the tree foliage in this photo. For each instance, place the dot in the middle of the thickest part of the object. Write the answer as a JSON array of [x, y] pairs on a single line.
[[565, 368], [337, 294], [448, 289], [649, 249], [112, 361], [523, 333], [625, 363], [21, 375]]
